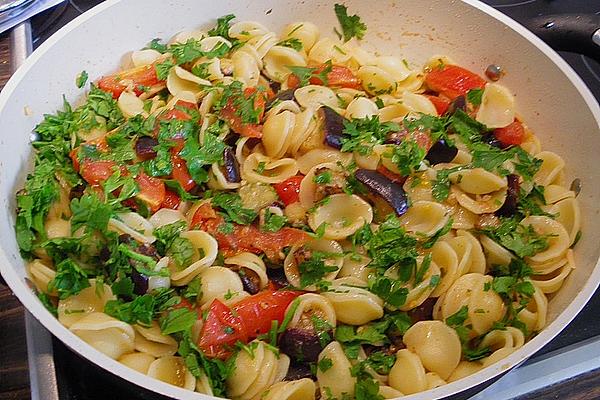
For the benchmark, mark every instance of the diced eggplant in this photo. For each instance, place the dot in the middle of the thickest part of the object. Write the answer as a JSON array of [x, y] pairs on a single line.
[[140, 282], [300, 344], [576, 186], [282, 95], [76, 192], [441, 152], [250, 279], [299, 370], [333, 127], [491, 139], [383, 187], [459, 103], [231, 167], [423, 312], [277, 277], [509, 208], [144, 147]]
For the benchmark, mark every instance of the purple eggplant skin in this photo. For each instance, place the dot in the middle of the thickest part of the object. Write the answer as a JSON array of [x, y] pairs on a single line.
[[333, 126], [231, 167], [509, 208], [277, 277], [491, 140], [140, 282], [299, 370], [144, 147], [282, 95], [300, 344], [380, 185], [459, 103], [441, 152]]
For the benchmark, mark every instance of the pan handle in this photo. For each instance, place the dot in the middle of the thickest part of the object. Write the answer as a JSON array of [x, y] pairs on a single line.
[[577, 33]]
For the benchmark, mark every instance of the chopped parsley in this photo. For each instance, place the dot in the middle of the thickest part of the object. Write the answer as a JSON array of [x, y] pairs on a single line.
[[70, 279], [306, 74], [315, 268], [233, 210], [474, 96], [361, 135], [163, 69], [407, 156], [293, 43], [273, 222], [351, 25], [178, 320], [81, 79]]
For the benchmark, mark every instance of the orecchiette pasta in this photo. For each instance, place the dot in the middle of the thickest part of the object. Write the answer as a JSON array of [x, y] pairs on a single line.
[[239, 206]]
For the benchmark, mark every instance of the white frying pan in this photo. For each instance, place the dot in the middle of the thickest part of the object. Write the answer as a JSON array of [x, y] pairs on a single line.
[[551, 98]]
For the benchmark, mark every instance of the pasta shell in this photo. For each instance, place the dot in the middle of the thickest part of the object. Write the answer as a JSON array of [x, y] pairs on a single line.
[[361, 107], [408, 375], [464, 369], [130, 105], [305, 127], [132, 224], [137, 361], [217, 282], [319, 156], [555, 193], [277, 61], [329, 247], [302, 389], [245, 68], [425, 217], [336, 380], [445, 258], [165, 216], [552, 166], [152, 341], [276, 133], [203, 244], [308, 187], [306, 32], [477, 181], [479, 204], [356, 265], [558, 239], [172, 370], [436, 344], [40, 274], [313, 97], [263, 43], [247, 29], [342, 214], [418, 103], [213, 68], [89, 300], [395, 66], [327, 49], [310, 306], [246, 371], [534, 315], [274, 171], [106, 334], [144, 57], [497, 108], [180, 80], [252, 262], [354, 305], [376, 81]]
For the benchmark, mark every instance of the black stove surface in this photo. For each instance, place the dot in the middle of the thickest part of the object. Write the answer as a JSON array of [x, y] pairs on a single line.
[[79, 379]]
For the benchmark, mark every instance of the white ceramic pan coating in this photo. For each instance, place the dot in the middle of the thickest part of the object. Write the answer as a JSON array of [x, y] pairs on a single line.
[[551, 98]]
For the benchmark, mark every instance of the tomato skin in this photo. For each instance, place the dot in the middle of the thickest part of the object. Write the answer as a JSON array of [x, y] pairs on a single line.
[[392, 176], [441, 105], [258, 311], [172, 200], [288, 190], [178, 113], [181, 174], [229, 114], [453, 81], [140, 76], [339, 76], [152, 191], [220, 331], [511, 135], [246, 237], [96, 172]]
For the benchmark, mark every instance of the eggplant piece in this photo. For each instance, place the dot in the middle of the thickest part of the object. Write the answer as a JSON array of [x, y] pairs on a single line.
[[76, 192], [300, 344], [250, 279], [441, 152], [490, 139], [423, 312], [283, 95], [144, 147], [333, 127], [277, 277], [140, 282], [299, 371], [231, 167], [459, 103], [509, 208], [382, 186]]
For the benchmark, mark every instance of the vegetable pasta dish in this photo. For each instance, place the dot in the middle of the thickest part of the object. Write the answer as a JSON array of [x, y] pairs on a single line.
[[259, 215]]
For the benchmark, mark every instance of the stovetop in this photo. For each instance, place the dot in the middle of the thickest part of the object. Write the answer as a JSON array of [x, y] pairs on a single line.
[[78, 379]]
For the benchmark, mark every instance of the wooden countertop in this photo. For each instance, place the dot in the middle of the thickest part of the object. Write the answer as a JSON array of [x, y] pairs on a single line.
[[14, 374]]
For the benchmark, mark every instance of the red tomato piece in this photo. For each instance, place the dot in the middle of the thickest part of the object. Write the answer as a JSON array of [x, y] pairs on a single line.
[[221, 330], [96, 172], [441, 104], [511, 135], [172, 200], [339, 76], [178, 113], [181, 174], [152, 191], [288, 190], [258, 311], [246, 237], [392, 176], [229, 114], [140, 76], [453, 81]]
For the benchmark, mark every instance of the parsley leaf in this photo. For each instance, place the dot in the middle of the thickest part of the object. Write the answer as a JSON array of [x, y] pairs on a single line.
[[273, 222], [361, 135], [178, 320], [314, 268], [197, 157], [166, 235], [325, 364], [351, 25], [522, 240], [293, 43], [163, 69], [474, 96], [70, 279], [181, 251], [155, 44], [305, 74], [392, 291], [407, 156], [81, 79], [231, 204], [91, 212], [222, 27], [392, 245]]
